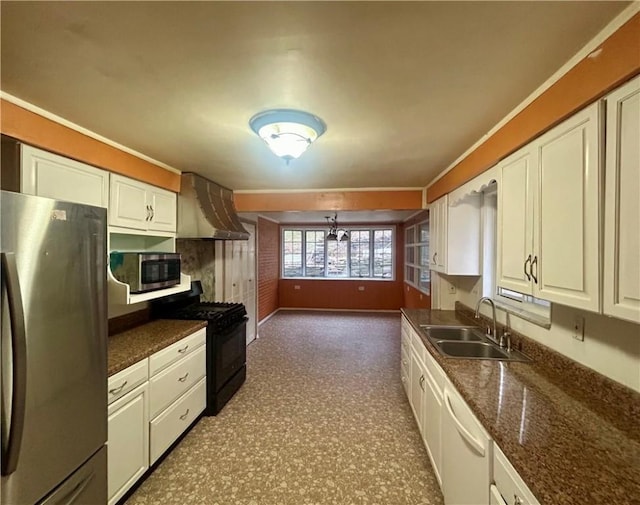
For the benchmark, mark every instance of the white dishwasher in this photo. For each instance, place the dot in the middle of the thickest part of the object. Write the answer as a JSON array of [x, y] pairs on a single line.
[[466, 453]]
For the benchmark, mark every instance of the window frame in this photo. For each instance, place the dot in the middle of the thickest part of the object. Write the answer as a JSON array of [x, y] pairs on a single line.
[[348, 229], [416, 244]]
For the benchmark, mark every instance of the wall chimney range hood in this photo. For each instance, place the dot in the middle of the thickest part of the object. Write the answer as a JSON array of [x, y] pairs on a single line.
[[206, 211]]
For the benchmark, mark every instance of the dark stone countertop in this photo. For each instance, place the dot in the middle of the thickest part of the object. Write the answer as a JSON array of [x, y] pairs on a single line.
[[129, 347], [557, 436]]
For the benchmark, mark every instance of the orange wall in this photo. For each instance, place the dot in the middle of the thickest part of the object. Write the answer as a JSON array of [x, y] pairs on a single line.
[[268, 267], [328, 200], [341, 294], [589, 80], [344, 294], [36, 130]]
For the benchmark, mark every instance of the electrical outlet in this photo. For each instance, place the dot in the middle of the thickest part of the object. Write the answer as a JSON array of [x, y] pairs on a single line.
[[296, 286], [578, 328], [452, 289], [360, 288]]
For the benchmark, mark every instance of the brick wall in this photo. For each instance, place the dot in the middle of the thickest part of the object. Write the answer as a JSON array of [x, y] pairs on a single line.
[[268, 267]]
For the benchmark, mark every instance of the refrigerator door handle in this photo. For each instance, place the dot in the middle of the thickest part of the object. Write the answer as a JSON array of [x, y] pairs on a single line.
[[11, 452]]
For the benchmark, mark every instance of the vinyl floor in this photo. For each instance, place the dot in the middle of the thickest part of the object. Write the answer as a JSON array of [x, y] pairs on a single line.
[[322, 420]]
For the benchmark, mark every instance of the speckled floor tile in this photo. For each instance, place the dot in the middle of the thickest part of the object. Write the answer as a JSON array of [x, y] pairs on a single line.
[[321, 420]]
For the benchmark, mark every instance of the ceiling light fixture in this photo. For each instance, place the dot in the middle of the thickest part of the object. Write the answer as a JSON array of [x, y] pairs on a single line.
[[333, 230], [287, 132]]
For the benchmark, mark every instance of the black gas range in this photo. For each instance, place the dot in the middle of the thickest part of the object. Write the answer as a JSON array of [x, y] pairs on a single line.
[[226, 340]]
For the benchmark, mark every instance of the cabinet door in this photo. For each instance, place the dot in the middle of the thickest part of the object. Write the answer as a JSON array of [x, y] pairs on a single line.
[[434, 221], [52, 176], [163, 210], [128, 206], [567, 213], [431, 430], [622, 205], [416, 389], [128, 441], [515, 215], [443, 215]]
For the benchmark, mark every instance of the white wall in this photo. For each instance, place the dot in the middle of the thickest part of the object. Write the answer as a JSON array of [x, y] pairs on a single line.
[[610, 347]]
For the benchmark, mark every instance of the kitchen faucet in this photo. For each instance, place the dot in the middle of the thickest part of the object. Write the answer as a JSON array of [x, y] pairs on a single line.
[[493, 336]]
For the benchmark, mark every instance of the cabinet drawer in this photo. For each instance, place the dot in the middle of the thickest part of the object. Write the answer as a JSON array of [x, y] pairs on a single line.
[[169, 425], [510, 485], [177, 379], [174, 352], [126, 380], [418, 345]]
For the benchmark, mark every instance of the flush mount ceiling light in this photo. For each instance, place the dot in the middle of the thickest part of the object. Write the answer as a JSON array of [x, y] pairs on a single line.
[[333, 230], [287, 132]]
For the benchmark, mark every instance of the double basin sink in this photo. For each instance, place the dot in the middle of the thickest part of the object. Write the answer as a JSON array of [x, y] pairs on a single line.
[[468, 342]]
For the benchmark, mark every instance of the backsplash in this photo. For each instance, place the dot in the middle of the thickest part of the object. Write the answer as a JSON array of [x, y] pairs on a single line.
[[198, 261]]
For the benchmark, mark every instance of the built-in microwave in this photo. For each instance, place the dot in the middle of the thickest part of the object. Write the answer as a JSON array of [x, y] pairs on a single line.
[[145, 271]]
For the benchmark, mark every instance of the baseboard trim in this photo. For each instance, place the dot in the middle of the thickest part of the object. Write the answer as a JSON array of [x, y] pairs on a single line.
[[316, 309], [265, 319]]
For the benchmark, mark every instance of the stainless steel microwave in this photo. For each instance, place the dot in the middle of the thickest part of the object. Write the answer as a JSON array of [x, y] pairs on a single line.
[[145, 271]]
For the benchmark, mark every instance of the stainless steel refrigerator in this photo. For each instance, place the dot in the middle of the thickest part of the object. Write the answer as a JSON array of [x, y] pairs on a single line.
[[53, 345]]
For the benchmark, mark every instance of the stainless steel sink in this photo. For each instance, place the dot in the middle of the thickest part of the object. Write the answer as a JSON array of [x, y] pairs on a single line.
[[468, 342], [456, 333]]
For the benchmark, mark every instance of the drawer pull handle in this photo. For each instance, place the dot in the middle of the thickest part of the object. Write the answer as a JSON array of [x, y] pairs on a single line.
[[115, 391], [421, 381], [516, 500], [184, 378], [184, 416], [184, 349]]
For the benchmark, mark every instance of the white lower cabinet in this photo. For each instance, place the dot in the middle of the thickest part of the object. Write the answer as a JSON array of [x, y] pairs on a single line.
[[508, 485], [178, 392], [172, 422], [459, 448], [128, 431], [151, 404]]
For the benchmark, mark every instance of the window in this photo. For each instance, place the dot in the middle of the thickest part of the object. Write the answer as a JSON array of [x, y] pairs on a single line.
[[416, 256], [368, 254]]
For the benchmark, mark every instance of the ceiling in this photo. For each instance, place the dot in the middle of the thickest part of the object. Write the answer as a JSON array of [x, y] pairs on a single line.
[[404, 87]]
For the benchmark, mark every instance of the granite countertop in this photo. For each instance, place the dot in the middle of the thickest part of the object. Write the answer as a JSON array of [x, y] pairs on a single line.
[[129, 347], [565, 447]]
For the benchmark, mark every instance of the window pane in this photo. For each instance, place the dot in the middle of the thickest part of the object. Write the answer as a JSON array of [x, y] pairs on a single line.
[[314, 262], [424, 279], [424, 256], [337, 259], [383, 253], [360, 240], [292, 253], [411, 255], [423, 232]]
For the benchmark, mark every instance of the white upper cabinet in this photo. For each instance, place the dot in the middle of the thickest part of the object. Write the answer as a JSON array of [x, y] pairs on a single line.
[[141, 206], [455, 236], [566, 230], [549, 214], [515, 204], [621, 297], [52, 176]]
